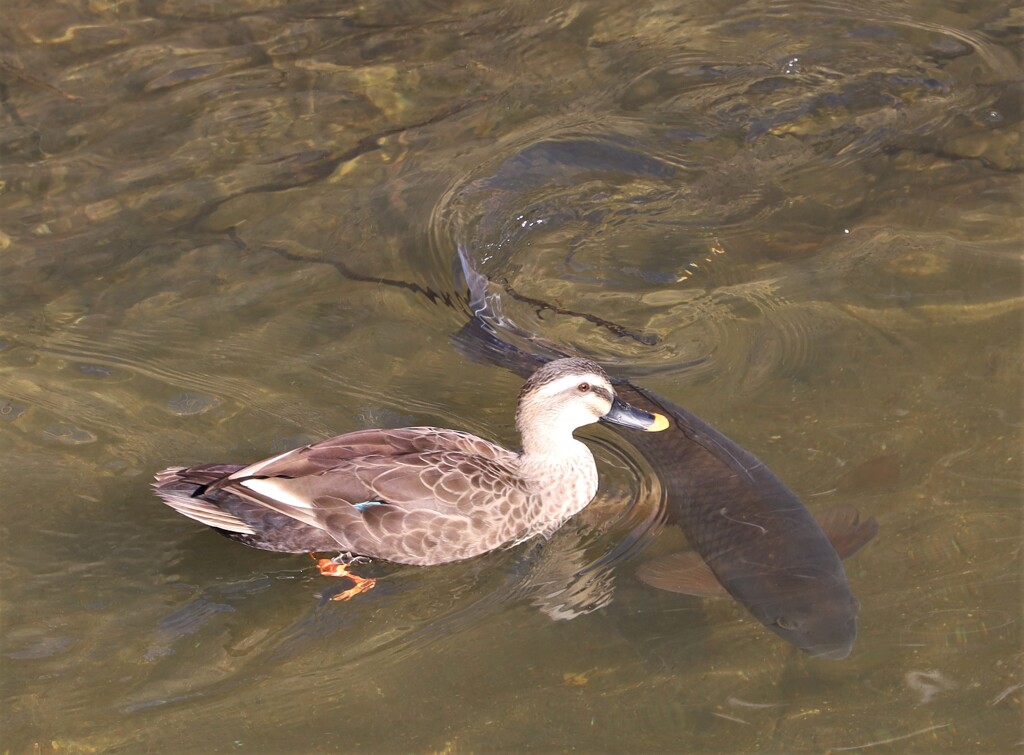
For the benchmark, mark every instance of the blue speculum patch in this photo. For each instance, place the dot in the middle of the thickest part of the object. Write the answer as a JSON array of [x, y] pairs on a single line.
[[366, 504]]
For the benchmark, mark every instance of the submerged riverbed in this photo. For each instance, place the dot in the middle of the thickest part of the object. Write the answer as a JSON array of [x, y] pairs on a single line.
[[229, 229]]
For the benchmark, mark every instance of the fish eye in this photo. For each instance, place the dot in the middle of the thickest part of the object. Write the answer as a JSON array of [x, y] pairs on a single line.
[[583, 387], [784, 623]]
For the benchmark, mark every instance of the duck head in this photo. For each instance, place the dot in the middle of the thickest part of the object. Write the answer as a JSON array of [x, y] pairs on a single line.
[[566, 394]]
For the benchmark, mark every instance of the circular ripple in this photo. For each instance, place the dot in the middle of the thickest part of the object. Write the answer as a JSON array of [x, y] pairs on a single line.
[[11, 410], [68, 434], [188, 403]]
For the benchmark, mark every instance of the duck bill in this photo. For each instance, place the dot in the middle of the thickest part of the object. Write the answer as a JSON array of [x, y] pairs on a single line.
[[623, 414]]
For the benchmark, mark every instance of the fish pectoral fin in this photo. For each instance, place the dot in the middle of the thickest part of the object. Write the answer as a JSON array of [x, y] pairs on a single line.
[[684, 572], [844, 529]]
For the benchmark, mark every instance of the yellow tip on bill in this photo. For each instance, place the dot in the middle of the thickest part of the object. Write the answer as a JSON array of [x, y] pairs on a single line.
[[659, 424]]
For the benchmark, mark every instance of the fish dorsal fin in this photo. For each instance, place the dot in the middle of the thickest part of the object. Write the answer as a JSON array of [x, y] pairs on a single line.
[[683, 572], [844, 529]]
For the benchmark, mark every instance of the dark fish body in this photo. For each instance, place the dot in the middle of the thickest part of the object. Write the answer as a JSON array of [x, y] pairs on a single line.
[[756, 540], [760, 541]]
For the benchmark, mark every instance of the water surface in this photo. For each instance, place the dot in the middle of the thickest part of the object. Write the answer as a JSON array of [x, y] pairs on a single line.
[[230, 228]]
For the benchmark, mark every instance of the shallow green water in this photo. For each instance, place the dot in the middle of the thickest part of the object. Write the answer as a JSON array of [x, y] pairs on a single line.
[[230, 228]]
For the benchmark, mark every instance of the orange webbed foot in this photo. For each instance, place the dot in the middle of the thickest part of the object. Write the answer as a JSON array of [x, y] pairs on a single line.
[[329, 568]]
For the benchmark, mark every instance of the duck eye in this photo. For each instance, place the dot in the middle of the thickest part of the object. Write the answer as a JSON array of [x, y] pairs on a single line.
[[584, 387]]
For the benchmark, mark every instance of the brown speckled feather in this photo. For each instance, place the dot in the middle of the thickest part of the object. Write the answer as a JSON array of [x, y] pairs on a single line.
[[369, 443], [412, 508]]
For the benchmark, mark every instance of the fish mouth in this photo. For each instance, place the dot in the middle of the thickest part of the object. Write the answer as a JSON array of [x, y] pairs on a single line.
[[625, 415], [830, 652]]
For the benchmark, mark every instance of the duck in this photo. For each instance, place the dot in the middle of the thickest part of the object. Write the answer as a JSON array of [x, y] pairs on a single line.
[[416, 495]]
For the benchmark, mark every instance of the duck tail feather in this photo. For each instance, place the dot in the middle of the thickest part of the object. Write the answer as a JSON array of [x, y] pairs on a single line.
[[181, 488]]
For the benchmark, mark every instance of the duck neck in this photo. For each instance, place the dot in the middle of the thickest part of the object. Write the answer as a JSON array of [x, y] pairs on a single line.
[[560, 471], [550, 447]]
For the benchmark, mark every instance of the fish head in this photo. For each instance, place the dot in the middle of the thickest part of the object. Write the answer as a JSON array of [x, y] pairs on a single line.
[[818, 616], [823, 631]]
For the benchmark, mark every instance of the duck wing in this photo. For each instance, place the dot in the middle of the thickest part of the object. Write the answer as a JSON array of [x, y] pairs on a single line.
[[404, 441], [415, 508]]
